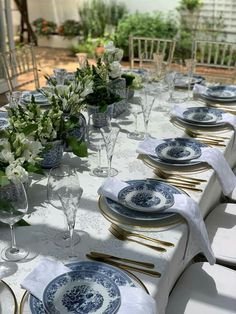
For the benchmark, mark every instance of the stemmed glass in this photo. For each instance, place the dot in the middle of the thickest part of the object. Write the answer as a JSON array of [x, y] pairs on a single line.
[[95, 141], [110, 135], [135, 109], [60, 75], [190, 64], [58, 179], [14, 205]]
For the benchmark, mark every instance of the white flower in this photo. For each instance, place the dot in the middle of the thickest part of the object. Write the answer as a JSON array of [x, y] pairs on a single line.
[[115, 69], [6, 156], [110, 46], [15, 170], [31, 152]]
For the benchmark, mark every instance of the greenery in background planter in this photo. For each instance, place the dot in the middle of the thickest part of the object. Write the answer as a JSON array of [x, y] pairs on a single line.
[[44, 27], [144, 24], [69, 28], [18, 156], [95, 15], [84, 47]]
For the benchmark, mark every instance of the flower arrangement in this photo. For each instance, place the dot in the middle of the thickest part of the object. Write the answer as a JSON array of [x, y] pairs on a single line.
[[112, 57], [45, 126], [133, 80], [18, 156], [44, 27]]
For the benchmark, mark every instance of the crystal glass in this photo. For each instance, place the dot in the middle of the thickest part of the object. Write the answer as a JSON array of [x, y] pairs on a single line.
[[60, 75], [14, 205], [135, 109], [146, 102], [59, 177], [190, 65], [110, 135], [96, 143], [14, 97]]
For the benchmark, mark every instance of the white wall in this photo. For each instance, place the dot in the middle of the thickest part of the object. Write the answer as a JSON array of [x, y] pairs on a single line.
[[151, 5]]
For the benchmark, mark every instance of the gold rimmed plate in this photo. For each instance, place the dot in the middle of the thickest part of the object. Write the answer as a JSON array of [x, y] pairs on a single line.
[[8, 303]]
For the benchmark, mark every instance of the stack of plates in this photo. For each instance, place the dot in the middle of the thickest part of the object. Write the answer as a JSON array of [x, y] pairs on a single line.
[[3, 120], [221, 93], [182, 81], [90, 287], [142, 204], [39, 98], [202, 117]]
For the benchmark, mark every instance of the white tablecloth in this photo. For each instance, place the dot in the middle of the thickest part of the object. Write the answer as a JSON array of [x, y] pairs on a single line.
[[46, 221]]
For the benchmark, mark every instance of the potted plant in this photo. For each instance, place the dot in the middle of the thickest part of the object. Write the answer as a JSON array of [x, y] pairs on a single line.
[[102, 98], [19, 155]]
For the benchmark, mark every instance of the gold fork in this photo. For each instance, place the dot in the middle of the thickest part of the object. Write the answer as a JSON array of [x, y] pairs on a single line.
[[207, 137], [139, 235], [179, 177], [123, 238]]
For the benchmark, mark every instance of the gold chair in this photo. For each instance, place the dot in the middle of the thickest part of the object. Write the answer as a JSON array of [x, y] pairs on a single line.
[[18, 64], [142, 49], [216, 59]]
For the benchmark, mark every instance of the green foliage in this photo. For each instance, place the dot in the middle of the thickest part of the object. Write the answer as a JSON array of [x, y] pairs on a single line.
[[86, 47], [128, 79], [69, 28], [95, 15], [44, 27], [144, 24], [190, 5]]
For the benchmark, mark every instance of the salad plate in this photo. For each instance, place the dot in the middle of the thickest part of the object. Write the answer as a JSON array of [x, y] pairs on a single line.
[[118, 276], [222, 91], [3, 123], [178, 150], [82, 292], [146, 196], [182, 80], [203, 115]]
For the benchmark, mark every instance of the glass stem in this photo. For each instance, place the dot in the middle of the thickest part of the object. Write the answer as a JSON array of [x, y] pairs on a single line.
[[146, 128], [71, 230], [99, 158], [14, 249], [135, 123], [109, 165]]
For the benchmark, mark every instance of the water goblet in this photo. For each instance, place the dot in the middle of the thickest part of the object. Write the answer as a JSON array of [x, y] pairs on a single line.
[[14, 205], [60, 75], [59, 177], [190, 65], [95, 142], [135, 109], [110, 135]]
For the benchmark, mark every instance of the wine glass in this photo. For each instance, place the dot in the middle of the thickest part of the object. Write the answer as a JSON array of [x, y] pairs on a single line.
[[14, 205], [135, 109], [190, 65], [95, 142], [60, 75], [59, 177], [110, 135]]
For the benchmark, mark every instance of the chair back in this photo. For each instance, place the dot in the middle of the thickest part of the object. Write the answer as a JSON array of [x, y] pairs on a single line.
[[17, 64], [143, 48], [215, 54]]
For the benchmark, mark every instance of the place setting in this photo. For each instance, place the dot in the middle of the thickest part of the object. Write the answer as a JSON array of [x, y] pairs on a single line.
[[37, 96], [99, 286]]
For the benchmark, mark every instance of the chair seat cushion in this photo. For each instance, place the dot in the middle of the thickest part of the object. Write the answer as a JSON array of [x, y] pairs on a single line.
[[204, 289], [221, 227]]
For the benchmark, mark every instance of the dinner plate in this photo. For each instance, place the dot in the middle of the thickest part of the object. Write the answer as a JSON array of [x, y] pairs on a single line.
[[3, 123], [146, 197], [217, 124], [210, 98], [125, 214], [222, 91], [38, 97], [119, 277], [203, 115], [180, 150], [82, 292], [8, 302]]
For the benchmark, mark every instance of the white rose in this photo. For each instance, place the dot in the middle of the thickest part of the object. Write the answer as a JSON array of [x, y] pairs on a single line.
[[6, 156], [115, 69], [110, 46]]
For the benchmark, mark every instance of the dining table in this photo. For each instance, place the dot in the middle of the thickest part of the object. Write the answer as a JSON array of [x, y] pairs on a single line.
[[45, 221]]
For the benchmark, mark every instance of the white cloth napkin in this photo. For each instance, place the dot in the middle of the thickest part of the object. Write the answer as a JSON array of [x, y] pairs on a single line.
[[133, 300], [185, 206], [229, 118], [212, 156]]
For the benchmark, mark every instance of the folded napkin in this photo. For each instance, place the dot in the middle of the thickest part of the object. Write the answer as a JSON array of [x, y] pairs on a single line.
[[133, 300], [212, 156], [229, 118], [183, 205]]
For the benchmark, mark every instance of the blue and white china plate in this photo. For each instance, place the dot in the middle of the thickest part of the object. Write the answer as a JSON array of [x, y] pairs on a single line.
[[119, 277], [3, 123], [146, 197], [203, 115], [38, 97], [222, 91], [178, 150], [176, 163], [182, 81], [82, 292], [139, 216]]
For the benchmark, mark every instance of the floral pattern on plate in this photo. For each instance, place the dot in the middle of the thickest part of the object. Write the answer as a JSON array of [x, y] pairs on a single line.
[[203, 115]]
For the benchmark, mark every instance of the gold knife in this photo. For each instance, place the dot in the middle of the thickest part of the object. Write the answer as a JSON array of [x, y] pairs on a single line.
[[124, 266], [127, 260]]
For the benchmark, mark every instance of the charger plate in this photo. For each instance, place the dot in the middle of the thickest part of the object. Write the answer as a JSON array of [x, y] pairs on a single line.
[[8, 303], [31, 305]]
